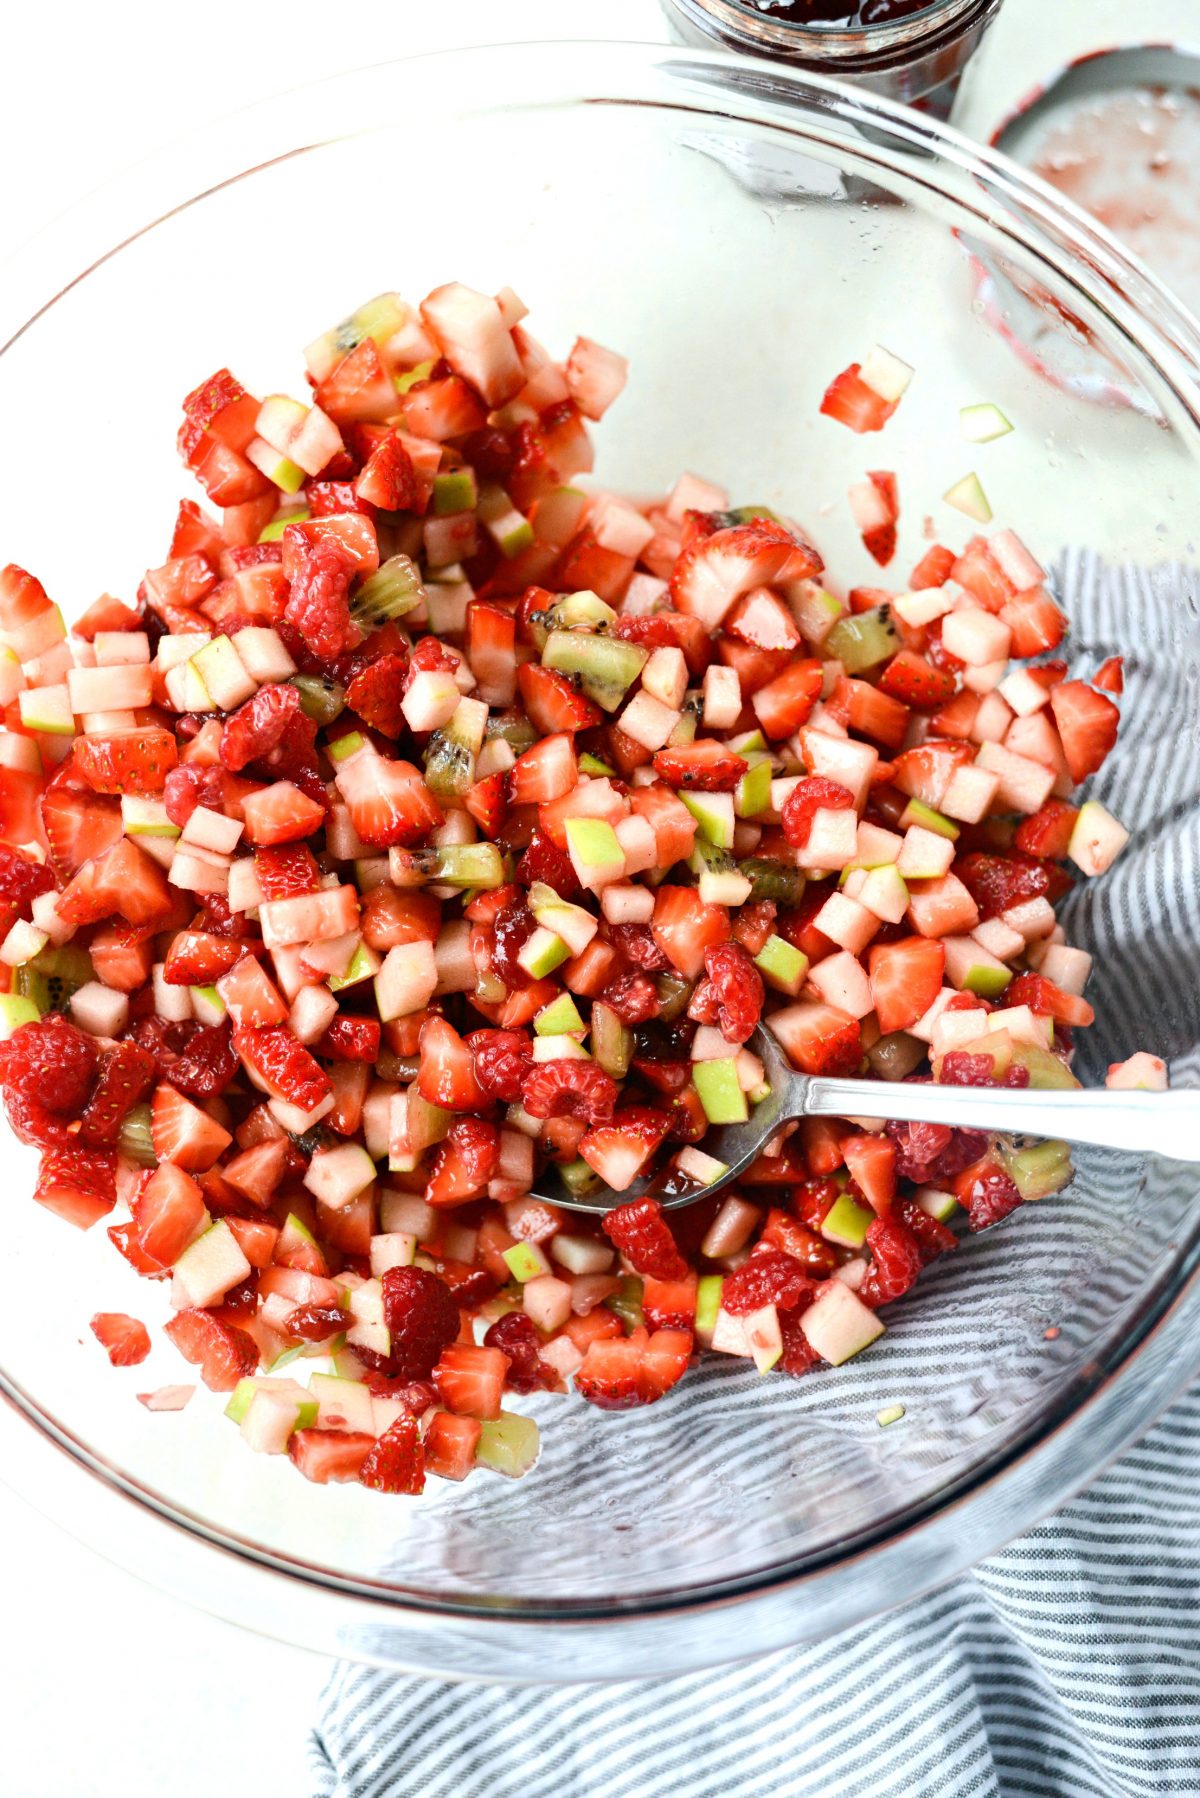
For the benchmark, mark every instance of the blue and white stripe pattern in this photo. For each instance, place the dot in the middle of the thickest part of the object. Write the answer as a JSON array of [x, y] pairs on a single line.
[[1068, 1666]]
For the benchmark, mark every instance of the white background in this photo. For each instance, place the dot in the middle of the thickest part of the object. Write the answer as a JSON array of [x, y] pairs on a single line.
[[106, 1688]]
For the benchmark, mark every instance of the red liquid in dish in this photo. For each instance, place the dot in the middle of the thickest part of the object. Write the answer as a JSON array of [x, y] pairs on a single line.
[[1130, 158], [845, 15]]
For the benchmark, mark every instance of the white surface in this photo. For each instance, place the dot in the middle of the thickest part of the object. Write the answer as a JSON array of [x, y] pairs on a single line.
[[109, 1688]]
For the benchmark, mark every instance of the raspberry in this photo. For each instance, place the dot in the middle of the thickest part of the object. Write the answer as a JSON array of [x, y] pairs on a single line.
[[351, 1039], [752, 924], [579, 1089], [895, 1262], [22, 879], [638, 946], [996, 882], [960, 1069], [293, 757], [396, 1463], [988, 1196], [422, 1317], [734, 990], [286, 870], [932, 1237], [812, 794], [512, 928], [32, 1123], [641, 1232], [256, 727], [545, 861], [191, 785], [50, 1062], [503, 1060], [918, 1147], [126, 1076], [432, 657], [376, 692], [770, 1278], [633, 997], [207, 1064], [319, 605], [798, 1353], [516, 1337], [218, 920], [475, 1145], [316, 1323]]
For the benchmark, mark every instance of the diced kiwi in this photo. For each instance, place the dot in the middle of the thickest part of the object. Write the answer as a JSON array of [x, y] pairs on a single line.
[[626, 1302], [771, 879], [53, 976], [449, 766], [394, 589], [321, 699], [862, 640], [134, 1139], [606, 667]]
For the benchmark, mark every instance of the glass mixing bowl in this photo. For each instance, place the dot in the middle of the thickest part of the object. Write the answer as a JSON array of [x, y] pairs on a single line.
[[742, 233]]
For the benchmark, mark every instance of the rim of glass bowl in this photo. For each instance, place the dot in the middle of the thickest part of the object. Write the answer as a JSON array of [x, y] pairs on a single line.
[[1109, 1403]]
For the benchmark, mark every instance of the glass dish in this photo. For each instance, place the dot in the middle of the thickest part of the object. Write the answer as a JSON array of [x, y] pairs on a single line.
[[742, 233]]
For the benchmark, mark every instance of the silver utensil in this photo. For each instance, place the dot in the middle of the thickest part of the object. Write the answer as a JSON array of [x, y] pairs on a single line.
[[1162, 1123]]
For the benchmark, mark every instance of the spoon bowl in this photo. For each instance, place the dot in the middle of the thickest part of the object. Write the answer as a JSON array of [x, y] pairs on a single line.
[[1166, 1124]]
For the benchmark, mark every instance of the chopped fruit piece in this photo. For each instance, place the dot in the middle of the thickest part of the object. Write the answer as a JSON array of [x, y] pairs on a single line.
[[852, 402], [635, 1370], [126, 1341], [1087, 723], [641, 1232]]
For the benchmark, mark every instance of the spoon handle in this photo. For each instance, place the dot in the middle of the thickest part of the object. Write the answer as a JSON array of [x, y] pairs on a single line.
[[1165, 1124]]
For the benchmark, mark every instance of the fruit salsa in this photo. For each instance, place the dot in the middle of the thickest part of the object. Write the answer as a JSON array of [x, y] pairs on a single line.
[[434, 811]]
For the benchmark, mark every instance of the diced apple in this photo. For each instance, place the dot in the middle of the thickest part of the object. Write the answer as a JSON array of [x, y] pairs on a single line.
[[838, 1325], [1097, 839], [1142, 1072]]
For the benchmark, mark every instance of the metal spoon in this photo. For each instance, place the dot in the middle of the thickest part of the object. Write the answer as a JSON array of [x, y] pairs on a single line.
[[1161, 1123]]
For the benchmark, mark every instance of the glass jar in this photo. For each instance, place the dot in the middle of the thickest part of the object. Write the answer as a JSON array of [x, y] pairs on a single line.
[[918, 58]]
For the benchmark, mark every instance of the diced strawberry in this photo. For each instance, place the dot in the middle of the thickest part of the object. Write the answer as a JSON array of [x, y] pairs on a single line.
[[704, 766], [872, 712], [785, 702], [257, 1171], [669, 1304], [669, 630], [925, 773], [546, 772], [957, 719], [635, 1370], [78, 826], [388, 478], [1110, 676], [916, 682], [464, 1163], [280, 813], [450, 1444], [447, 1069], [197, 958], [126, 1341], [77, 1184], [250, 997], [1087, 723], [979, 572], [470, 1381], [552, 703], [684, 927], [223, 1353], [819, 1039], [996, 882], [126, 1076], [134, 761], [717, 570], [906, 978], [1036, 622], [1047, 832], [851, 402], [396, 1463], [327, 1456], [1041, 995], [182, 1133], [283, 1064], [358, 387], [872, 1164], [122, 880], [389, 803], [934, 568]]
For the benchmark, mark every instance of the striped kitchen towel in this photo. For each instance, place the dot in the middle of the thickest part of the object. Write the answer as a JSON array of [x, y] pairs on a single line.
[[1067, 1666]]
